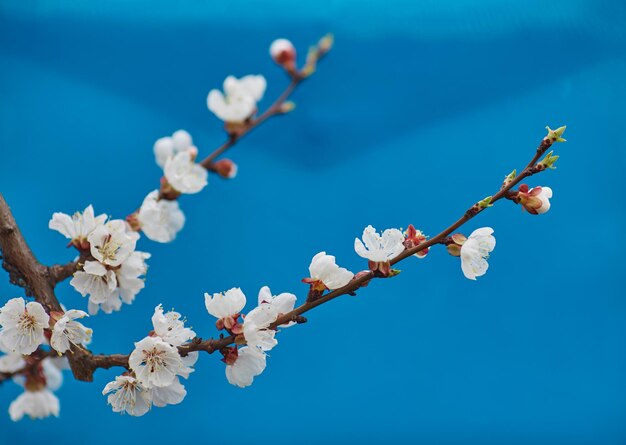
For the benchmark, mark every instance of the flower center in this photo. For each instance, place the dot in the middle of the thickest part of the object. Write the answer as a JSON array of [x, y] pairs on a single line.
[[27, 322], [154, 360]]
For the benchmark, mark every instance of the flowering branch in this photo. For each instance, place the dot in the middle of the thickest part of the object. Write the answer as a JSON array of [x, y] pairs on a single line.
[[278, 107], [211, 345], [111, 271]]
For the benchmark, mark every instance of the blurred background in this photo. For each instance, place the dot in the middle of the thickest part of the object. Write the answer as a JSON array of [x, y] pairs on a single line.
[[420, 110]]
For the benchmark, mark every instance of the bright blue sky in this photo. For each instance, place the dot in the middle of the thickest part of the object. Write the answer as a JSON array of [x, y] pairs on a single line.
[[420, 110]]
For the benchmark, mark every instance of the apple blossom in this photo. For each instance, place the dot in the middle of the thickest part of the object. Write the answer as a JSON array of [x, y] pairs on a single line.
[[536, 200], [170, 327], [156, 362], [112, 303], [280, 304], [249, 363], [160, 219], [475, 251], [22, 326], [96, 281], [239, 100], [168, 395], [52, 368], [379, 250], [67, 331], [35, 404], [129, 275], [169, 146], [325, 274], [78, 226], [183, 174], [226, 307], [112, 242], [413, 238], [256, 327], [127, 394], [12, 362]]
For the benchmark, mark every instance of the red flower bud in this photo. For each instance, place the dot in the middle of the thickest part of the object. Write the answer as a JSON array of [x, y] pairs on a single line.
[[225, 168], [283, 53]]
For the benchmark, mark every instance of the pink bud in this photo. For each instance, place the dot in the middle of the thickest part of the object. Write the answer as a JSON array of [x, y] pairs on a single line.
[[230, 354], [283, 53], [226, 168]]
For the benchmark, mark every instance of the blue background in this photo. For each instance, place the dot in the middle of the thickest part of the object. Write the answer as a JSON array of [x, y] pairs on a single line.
[[419, 111]]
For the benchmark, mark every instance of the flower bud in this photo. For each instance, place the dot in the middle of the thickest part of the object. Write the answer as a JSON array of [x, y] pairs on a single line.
[[508, 178], [536, 200], [485, 203], [287, 107], [225, 168], [326, 43], [555, 135], [548, 161], [230, 354], [413, 238], [283, 53]]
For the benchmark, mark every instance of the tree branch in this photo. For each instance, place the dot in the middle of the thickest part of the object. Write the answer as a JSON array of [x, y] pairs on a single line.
[[24, 269], [212, 345], [61, 272], [274, 109]]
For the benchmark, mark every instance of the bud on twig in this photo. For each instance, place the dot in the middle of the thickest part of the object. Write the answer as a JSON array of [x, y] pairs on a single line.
[[225, 168], [287, 107], [508, 178], [555, 135], [548, 161], [284, 54], [485, 203], [316, 53]]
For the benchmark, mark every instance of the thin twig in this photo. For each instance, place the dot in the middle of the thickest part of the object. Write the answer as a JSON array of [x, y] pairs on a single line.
[[211, 345]]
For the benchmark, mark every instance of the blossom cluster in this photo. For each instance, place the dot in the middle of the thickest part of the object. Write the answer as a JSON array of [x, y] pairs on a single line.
[[25, 330], [111, 272], [110, 269], [155, 368]]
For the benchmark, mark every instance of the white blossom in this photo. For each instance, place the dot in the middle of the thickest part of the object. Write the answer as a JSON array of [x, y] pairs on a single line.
[[127, 394], [379, 248], [256, 327], [112, 303], [12, 362], [168, 395], [190, 359], [156, 363], [280, 304], [129, 275], [78, 226], [170, 327], [250, 363], [239, 100], [183, 174], [22, 326], [112, 242], [539, 200], [68, 331], [167, 147], [324, 269], [52, 371], [35, 404], [225, 304], [109, 288], [96, 281], [475, 251], [282, 51], [160, 219]]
